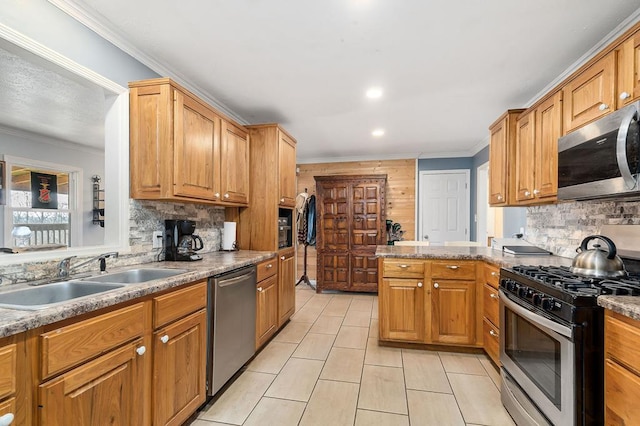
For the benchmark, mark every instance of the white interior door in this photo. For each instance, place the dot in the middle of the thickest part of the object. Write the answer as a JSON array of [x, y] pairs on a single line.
[[482, 204], [444, 206]]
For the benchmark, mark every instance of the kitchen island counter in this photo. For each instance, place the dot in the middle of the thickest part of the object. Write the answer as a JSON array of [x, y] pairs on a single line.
[[16, 321], [628, 306]]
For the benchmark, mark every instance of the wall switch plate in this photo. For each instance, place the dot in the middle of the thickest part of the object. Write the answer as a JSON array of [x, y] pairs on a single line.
[[157, 239]]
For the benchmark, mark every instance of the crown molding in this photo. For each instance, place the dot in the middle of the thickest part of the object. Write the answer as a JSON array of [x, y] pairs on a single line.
[[90, 19]]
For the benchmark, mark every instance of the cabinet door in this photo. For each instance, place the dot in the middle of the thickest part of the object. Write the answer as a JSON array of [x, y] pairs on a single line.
[[453, 312], [8, 407], [196, 137], [266, 309], [628, 71], [333, 270], [498, 183], [548, 130], [591, 94], [286, 285], [525, 148], [234, 157], [108, 390], [333, 229], [179, 369], [364, 272], [402, 302], [286, 171], [622, 392]]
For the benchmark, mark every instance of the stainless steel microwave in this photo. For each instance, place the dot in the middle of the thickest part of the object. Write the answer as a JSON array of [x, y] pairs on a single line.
[[601, 159]]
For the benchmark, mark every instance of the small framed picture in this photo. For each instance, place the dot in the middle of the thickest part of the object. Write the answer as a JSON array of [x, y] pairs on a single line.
[[3, 182]]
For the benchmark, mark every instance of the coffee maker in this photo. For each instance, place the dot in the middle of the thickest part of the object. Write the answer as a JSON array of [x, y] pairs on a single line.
[[180, 243]]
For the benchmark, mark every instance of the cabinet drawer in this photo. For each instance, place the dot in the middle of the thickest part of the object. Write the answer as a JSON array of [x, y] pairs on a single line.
[[491, 338], [454, 269], [177, 304], [490, 304], [400, 268], [492, 275], [67, 346], [8, 357], [266, 269], [622, 391], [622, 340]]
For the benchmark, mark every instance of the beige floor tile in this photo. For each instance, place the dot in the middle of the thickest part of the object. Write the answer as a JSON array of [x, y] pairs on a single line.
[[326, 324], [344, 365], [376, 418], [332, 403], [374, 310], [337, 307], [307, 314], [423, 371], [491, 370], [293, 332], [237, 402], [382, 389], [276, 412], [319, 301], [430, 408], [296, 380], [314, 346], [272, 358], [352, 337], [200, 422], [380, 355], [462, 363], [357, 318], [362, 303], [374, 328], [479, 399]]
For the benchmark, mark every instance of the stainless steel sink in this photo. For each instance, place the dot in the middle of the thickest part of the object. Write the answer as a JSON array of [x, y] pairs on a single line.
[[134, 276], [47, 295]]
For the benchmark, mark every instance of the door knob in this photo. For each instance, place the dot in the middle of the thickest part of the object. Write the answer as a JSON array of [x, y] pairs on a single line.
[[493, 333], [436, 285], [536, 191], [259, 289], [7, 419], [420, 285], [624, 95], [226, 195], [527, 193], [217, 195], [164, 339], [141, 350], [603, 107]]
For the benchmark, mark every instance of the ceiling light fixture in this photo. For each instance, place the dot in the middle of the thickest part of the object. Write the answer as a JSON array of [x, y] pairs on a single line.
[[378, 132], [374, 93]]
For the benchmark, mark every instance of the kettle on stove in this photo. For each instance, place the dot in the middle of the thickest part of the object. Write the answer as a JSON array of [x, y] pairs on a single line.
[[596, 262]]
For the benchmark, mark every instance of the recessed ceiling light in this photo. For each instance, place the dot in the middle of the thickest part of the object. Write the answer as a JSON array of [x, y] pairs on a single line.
[[378, 132], [374, 93]]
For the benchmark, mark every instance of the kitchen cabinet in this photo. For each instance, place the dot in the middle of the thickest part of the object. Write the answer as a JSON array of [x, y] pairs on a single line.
[[491, 312], [286, 285], [266, 301], [628, 82], [350, 224], [502, 137], [591, 94], [548, 124], [15, 378], [286, 170], [525, 156], [402, 300], [621, 369], [179, 354], [453, 302], [181, 149]]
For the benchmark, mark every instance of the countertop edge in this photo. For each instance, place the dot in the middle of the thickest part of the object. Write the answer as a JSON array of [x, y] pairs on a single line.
[[629, 306]]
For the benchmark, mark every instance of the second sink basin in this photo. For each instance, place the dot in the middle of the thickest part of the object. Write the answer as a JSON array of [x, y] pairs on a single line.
[[133, 276], [46, 295]]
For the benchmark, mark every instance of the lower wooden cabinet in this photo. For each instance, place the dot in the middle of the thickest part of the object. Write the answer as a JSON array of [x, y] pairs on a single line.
[[107, 390], [453, 312], [491, 312], [286, 285], [179, 369], [402, 309], [266, 310]]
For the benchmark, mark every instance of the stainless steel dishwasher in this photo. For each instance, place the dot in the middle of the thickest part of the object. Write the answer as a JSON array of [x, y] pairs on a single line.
[[232, 325]]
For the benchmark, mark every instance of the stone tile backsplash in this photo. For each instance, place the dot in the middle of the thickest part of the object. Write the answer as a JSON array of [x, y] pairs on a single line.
[[560, 228], [144, 218]]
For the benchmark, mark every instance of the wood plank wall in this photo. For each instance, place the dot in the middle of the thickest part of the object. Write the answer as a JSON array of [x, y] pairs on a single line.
[[400, 194]]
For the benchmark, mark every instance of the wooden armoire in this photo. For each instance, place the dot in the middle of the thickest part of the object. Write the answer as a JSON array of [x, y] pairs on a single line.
[[350, 224]]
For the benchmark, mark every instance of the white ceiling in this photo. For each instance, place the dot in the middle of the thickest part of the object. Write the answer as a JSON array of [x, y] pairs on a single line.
[[448, 69]]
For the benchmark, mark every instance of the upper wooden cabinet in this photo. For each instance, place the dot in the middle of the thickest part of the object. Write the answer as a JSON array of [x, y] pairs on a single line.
[[273, 186], [181, 149], [628, 89], [591, 94], [525, 158], [502, 158]]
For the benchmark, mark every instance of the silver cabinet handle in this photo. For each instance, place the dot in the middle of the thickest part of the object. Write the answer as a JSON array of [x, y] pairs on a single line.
[[420, 285], [259, 289], [621, 149], [493, 273], [499, 197], [141, 350], [282, 200], [269, 266], [7, 419], [217, 195], [493, 333], [226, 195], [536, 191], [436, 285], [603, 107], [403, 266], [624, 95], [452, 266], [527, 193], [494, 296], [164, 339], [282, 258]]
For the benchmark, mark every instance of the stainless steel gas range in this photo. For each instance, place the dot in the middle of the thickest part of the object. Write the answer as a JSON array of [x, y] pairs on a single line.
[[551, 344]]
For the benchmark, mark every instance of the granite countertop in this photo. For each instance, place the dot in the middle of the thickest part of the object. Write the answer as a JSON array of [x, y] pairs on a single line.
[[628, 306], [16, 321]]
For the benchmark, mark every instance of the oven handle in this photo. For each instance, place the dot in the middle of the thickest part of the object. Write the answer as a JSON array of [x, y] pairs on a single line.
[[538, 319], [621, 149]]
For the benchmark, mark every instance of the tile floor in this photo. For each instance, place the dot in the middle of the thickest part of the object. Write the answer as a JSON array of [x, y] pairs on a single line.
[[326, 368]]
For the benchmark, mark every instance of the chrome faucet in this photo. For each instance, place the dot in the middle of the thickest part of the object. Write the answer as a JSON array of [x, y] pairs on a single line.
[[65, 268]]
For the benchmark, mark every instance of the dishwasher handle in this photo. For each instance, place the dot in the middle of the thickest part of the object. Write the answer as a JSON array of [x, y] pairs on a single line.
[[225, 282]]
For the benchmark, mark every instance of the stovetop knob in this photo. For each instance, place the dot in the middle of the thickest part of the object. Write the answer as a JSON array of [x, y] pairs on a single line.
[[537, 298], [548, 304], [522, 291]]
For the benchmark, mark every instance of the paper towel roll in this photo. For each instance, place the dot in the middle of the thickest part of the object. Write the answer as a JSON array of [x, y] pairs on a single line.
[[229, 236]]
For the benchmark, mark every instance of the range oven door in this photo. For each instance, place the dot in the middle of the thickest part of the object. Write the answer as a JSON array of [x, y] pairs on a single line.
[[539, 355]]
